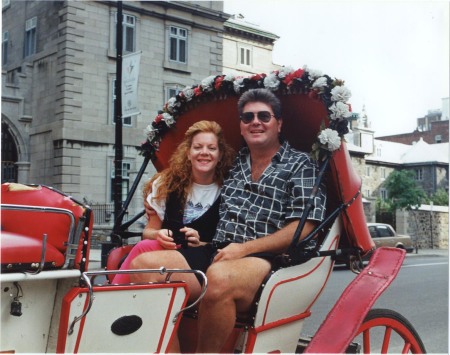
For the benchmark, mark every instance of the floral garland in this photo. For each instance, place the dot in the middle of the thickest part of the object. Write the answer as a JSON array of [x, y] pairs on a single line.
[[285, 80]]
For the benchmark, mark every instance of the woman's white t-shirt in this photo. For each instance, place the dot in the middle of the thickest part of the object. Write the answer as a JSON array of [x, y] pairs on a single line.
[[199, 200]]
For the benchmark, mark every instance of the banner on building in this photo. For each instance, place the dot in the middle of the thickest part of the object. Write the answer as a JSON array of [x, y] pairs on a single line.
[[130, 76]]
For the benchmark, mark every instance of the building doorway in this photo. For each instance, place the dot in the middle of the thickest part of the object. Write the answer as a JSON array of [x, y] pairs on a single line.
[[9, 156]]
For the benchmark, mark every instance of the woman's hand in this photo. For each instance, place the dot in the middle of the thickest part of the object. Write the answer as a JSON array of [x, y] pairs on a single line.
[[164, 238], [192, 236]]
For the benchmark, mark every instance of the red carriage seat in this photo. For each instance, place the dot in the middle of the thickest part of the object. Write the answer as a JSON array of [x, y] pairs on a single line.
[[302, 120], [29, 213]]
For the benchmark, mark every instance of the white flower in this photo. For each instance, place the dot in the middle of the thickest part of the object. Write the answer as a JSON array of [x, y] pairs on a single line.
[[284, 71], [188, 93], [150, 132], [228, 77], [339, 110], [171, 103], [340, 93], [238, 84], [330, 138], [314, 74], [207, 83], [168, 118], [320, 82], [271, 82]]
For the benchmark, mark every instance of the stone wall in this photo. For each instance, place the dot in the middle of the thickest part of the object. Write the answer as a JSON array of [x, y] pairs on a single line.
[[427, 227]]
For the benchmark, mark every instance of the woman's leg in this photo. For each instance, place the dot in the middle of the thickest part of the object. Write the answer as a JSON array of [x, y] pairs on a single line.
[[143, 246]]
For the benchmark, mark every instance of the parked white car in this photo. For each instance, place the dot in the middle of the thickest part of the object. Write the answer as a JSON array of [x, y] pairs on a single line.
[[385, 236]]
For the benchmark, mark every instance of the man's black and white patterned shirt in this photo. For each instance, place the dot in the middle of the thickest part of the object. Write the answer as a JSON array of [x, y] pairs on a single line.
[[252, 210]]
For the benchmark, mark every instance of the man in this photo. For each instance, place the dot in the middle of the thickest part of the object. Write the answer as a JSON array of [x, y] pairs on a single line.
[[262, 203]]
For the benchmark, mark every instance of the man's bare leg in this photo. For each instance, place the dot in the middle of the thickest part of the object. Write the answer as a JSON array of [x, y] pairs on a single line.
[[232, 285]]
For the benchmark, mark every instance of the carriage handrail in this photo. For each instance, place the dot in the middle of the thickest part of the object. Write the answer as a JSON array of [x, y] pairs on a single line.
[[42, 262]]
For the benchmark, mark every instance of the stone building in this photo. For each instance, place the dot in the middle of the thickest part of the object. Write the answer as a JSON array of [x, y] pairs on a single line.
[[58, 76], [375, 159]]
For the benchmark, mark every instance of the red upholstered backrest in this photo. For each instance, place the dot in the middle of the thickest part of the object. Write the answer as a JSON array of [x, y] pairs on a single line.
[[53, 217], [301, 115]]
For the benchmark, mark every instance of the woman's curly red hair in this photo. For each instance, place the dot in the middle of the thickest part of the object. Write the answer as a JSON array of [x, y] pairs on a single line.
[[177, 178]]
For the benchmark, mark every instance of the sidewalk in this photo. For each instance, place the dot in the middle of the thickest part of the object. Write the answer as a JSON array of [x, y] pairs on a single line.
[[429, 252], [95, 259]]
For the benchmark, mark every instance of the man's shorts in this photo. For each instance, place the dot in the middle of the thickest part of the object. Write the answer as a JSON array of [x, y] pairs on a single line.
[[200, 258]]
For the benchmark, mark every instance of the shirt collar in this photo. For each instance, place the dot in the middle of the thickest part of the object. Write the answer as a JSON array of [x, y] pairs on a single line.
[[279, 156]]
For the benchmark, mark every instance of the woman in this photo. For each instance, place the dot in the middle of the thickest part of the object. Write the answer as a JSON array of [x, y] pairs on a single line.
[[186, 195]]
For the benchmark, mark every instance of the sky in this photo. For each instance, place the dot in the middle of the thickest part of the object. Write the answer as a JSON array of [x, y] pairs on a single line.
[[392, 55]]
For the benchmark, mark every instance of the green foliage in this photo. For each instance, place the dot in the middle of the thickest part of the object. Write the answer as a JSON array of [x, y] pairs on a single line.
[[440, 197], [403, 190]]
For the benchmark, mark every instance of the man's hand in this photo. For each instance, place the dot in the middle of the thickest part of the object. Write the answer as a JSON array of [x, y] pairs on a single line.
[[230, 252]]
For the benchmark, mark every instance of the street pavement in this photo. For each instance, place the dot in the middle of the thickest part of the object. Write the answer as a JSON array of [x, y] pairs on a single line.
[[95, 256]]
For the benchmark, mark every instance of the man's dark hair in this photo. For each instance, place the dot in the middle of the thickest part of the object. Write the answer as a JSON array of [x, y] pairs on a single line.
[[260, 95]]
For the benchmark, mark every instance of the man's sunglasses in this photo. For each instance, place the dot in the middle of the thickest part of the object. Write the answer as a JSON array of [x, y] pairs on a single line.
[[263, 116]]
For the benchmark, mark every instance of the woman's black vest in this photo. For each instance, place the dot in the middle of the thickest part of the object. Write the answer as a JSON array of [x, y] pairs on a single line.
[[206, 224]]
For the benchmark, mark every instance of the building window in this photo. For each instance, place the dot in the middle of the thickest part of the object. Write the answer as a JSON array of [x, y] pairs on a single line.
[[171, 91], [5, 39], [419, 174], [383, 173], [378, 152], [128, 33], [178, 44], [245, 56], [126, 167], [367, 171], [126, 121], [437, 138], [367, 193], [30, 36], [383, 194]]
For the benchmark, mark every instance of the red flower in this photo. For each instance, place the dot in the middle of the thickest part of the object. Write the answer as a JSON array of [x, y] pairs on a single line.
[[218, 82], [197, 91], [349, 107], [158, 118], [257, 77], [292, 76]]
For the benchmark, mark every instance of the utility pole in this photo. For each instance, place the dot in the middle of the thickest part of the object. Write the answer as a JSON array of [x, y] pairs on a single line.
[[431, 224], [117, 191]]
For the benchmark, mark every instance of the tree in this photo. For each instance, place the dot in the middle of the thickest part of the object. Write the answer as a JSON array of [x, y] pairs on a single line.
[[403, 190], [440, 197]]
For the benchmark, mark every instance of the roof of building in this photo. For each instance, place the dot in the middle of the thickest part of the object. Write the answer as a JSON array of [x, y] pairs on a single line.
[[422, 152], [398, 153], [239, 25]]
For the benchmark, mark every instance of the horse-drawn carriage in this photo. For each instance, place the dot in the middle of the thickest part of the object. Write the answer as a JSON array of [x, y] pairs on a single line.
[[52, 303]]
